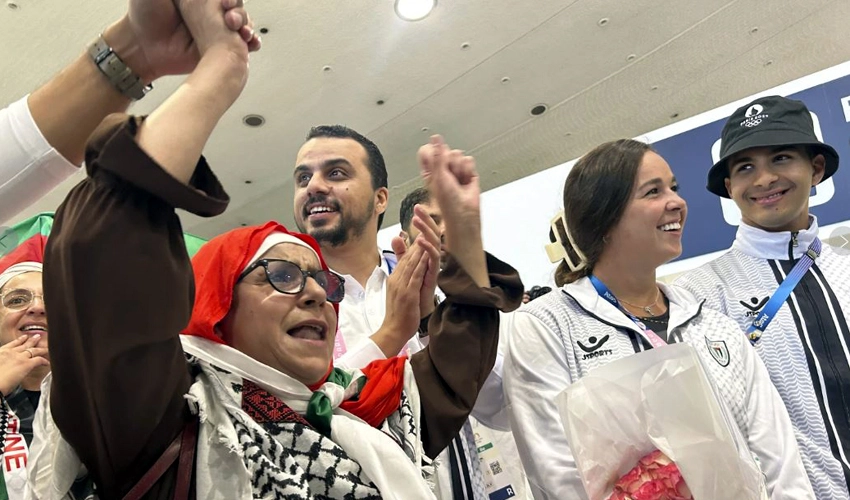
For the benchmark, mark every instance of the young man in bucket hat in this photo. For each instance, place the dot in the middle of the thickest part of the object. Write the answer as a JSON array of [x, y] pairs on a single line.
[[786, 289]]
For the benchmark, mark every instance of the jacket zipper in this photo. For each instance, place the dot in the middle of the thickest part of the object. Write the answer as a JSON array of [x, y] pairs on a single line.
[[792, 244]]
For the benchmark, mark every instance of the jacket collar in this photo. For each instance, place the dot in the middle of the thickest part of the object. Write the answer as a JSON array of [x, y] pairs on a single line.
[[683, 305], [763, 244]]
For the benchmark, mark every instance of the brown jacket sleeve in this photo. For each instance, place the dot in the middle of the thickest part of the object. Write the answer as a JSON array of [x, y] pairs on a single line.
[[464, 338], [119, 288]]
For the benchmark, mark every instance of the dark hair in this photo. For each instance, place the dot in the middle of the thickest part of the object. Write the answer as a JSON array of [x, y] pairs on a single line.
[[538, 291], [405, 213], [596, 194], [375, 160]]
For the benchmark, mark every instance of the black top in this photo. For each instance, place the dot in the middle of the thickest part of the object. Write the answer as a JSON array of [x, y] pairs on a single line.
[[658, 324], [24, 403]]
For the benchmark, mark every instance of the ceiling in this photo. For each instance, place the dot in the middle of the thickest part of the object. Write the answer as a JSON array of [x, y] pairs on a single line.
[[471, 71]]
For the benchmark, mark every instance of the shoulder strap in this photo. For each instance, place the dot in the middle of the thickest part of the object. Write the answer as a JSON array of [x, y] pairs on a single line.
[[183, 447]]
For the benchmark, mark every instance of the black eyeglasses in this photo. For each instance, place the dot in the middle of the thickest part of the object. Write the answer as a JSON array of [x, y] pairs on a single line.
[[287, 277]]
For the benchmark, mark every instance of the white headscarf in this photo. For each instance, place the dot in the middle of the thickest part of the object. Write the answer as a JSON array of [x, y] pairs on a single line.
[[19, 269], [276, 239]]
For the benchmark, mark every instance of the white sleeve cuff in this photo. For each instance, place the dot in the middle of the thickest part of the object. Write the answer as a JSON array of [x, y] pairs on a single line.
[[360, 356]]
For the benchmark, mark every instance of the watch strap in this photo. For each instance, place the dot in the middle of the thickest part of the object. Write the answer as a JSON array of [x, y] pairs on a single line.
[[119, 74]]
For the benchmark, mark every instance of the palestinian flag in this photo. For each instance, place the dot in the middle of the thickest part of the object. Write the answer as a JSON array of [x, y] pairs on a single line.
[[25, 241]]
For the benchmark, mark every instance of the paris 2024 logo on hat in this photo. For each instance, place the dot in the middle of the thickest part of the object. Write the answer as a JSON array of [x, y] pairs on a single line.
[[755, 115]]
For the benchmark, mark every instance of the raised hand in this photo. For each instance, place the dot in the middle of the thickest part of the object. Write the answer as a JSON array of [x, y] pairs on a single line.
[[453, 181], [429, 231], [208, 25], [154, 41], [451, 178], [17, 359], [404, 293], [175, 133]]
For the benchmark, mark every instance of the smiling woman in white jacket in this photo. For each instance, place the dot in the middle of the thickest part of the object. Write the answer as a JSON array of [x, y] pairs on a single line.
[[622, 219]]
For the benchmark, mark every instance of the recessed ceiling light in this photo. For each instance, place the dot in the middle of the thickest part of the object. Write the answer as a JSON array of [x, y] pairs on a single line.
[[414, 10], [253, 120], [539, 109]]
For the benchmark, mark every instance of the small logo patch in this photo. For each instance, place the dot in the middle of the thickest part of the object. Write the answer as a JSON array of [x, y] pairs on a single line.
[[754, 116], [594, 343], [718, 351], [753, 305], [592, 350]]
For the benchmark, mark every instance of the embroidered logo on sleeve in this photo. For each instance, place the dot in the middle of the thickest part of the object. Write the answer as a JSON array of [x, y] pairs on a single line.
[[718, 351]]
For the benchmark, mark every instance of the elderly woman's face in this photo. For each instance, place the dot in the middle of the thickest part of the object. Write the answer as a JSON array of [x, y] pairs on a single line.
[[21, 318], [292, 333]]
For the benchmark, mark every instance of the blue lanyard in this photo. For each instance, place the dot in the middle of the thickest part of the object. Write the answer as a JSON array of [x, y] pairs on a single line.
[[606, 294], [391, 263], [781, 294]]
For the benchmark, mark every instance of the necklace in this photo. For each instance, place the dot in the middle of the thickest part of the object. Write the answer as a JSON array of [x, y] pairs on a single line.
[[648, 308]]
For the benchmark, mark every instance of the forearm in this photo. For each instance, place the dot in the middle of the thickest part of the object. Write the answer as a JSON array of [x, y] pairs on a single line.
[[81, 95], [463, 241], [388, 340], [175, 134]]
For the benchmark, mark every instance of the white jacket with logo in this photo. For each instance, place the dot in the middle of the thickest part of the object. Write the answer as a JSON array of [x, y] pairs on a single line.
[[560, 337], [805, 347]]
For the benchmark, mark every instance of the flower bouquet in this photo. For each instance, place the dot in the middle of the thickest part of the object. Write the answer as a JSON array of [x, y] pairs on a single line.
[[655, 477], [659, 410]]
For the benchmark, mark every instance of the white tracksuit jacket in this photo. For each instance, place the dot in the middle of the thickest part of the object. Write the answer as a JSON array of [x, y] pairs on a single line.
[[561, 336], [805, 347]]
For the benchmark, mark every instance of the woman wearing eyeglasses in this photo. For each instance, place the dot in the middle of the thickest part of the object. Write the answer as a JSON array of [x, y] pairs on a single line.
[[258, 410], [623, 217], [23, 337]]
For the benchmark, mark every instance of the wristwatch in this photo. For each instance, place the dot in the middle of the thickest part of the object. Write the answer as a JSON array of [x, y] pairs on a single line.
[[118, 73]]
